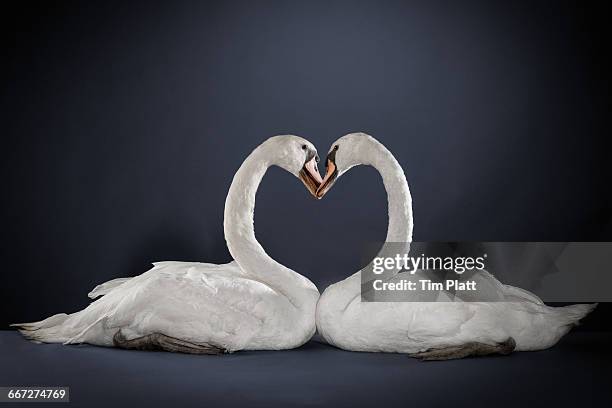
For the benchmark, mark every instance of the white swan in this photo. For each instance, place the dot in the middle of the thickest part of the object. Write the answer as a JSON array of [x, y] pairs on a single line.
[[251, 303], [427, 330]]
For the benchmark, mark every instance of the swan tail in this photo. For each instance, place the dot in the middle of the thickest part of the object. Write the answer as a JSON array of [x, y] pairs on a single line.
[[49, 330], [550, 325], [571, 315], [61, 329], [79, 327], [106, 287]]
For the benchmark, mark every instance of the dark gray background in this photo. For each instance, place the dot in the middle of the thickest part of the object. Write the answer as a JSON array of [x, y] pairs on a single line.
[[123, 125]]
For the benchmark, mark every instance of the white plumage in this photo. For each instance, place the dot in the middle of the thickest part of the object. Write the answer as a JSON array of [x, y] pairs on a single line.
[[413, 327], [250, 303]]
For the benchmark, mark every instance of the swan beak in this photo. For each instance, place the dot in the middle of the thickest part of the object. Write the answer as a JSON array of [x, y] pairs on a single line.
[[310, 175], [330, 178]]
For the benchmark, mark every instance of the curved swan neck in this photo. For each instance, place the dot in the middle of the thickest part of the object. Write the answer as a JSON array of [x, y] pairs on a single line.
[[240, 206], [240, 234], [398, 193]]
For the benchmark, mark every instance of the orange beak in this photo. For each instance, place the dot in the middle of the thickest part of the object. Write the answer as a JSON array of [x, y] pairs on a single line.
[[309, 174], [329, 179]]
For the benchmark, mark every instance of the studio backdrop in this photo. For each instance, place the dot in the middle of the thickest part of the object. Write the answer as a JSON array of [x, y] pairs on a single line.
[[123, 125]]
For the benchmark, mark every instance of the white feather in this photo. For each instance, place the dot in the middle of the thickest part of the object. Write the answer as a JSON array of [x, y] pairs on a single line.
[[410, 327], [251, 303]]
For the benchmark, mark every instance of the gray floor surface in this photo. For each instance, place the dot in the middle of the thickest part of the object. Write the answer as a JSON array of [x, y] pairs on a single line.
[[576, 372]]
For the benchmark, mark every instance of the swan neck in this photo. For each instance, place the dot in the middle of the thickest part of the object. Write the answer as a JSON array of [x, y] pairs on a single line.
[[398, 197], [239, 231], [238, 221]]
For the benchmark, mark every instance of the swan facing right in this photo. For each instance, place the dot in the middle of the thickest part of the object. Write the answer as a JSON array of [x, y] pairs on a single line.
[[427, 330], [252, 303]]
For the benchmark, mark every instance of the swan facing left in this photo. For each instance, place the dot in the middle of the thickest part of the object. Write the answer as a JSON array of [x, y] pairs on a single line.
[[438, 330], [252, 303]]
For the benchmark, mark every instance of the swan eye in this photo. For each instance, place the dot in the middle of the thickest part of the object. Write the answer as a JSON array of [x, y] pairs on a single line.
[[304, 147], [336, 147]]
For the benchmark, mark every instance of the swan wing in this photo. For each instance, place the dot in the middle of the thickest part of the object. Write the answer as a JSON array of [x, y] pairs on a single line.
[[495, 290], [202, 303], [106, 287]]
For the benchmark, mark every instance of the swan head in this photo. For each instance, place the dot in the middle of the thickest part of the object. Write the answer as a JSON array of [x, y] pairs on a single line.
[[297, 156], [348, 151]]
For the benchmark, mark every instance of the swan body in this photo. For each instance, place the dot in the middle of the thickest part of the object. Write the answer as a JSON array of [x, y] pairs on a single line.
[[250, 303], [415, 327], [412, 327]]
